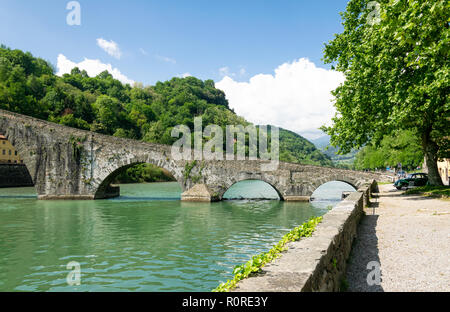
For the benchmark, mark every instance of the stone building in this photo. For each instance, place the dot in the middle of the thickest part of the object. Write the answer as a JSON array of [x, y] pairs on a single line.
[[8, 154], [13, 172], [444, 167]]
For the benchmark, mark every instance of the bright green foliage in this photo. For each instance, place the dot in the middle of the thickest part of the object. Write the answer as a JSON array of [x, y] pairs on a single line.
[[257, 262], [294, 147], [144, 173], [103, 104], [188, 168], [402, 147], [427, 190], [24, 80], [397, 76]]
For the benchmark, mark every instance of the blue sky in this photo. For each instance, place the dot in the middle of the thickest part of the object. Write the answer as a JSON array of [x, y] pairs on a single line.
[[158, 40]]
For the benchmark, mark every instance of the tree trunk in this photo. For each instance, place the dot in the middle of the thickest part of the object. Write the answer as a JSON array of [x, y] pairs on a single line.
[[430, 150]]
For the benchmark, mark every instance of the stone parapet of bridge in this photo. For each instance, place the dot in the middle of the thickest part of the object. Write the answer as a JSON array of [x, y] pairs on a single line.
[[68, 163]]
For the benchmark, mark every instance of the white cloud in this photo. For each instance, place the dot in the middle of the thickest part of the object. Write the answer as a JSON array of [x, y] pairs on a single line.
[[166, 59], [225, 71], [92, 67], [296, 98], [143, 51], [110, 47], [184, 75]]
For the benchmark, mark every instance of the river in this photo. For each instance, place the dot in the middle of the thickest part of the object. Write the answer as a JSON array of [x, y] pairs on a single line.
[[145, 240]]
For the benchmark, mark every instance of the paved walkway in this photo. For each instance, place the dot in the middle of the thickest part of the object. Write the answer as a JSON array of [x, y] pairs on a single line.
[[409, 236]]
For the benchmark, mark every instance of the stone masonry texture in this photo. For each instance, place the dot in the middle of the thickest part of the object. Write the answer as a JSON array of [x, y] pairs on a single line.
[[316, 263], [68, 163]]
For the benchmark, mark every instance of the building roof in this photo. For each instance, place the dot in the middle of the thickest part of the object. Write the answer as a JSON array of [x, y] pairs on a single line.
[[2, 137]]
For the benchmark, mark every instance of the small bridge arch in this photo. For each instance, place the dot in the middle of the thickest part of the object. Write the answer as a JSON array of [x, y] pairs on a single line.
[[68, 163], [352, 181], [226, 188]]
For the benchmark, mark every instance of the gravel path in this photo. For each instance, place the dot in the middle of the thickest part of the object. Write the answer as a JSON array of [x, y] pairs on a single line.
[[409, 236]]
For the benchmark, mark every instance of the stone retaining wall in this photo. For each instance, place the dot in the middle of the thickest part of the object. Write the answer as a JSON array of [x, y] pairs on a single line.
[[13, 175], [315, 263]]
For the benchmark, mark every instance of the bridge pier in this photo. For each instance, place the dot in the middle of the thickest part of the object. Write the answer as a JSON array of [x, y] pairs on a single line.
[[72, 164], [199, 193], [291, 198], [111, 191], [66, 197], [203, 193]]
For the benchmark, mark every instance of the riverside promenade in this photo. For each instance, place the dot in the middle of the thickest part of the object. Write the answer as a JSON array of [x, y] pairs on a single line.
[[409, 236]]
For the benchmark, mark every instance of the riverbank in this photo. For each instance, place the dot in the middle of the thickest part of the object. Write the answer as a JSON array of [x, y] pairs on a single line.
[[408, 235]]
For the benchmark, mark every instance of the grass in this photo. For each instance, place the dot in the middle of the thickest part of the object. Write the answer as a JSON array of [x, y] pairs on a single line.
[[343, 287], [385, 182], [255, 264], [441, 191]]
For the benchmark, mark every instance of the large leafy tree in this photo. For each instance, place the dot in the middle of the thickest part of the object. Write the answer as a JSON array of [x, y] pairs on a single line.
[[402, 147], [395, 57]]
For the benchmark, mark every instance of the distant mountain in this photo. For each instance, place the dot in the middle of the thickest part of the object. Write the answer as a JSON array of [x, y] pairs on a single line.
[[324, 141], [321, 142], [295, 148]]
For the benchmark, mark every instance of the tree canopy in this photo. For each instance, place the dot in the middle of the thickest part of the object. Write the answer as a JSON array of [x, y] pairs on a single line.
[[401, 148], [397, 75], [105, 105]]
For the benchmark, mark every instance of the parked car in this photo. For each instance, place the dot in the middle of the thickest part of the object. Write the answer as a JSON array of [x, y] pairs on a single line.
[[414, 179]]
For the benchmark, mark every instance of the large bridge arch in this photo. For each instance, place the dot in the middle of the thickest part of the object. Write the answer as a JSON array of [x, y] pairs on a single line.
[[68, 163], [107, 177]]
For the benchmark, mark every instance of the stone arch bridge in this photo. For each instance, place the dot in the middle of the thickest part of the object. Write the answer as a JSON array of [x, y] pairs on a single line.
[[68, 163]]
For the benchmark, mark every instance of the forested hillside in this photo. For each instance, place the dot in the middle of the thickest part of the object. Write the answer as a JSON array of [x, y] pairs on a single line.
[[294, 147], [341, 161], [103, 104]]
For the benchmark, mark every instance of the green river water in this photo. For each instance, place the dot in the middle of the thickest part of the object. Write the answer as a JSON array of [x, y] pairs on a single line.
[[145, 240]]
